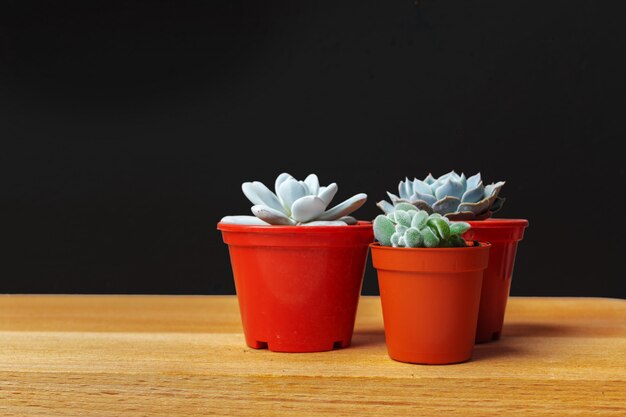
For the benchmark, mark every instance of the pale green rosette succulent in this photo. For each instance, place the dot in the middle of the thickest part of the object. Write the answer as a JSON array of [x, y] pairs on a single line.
[[296, 203], [451, 195], [407, 227]]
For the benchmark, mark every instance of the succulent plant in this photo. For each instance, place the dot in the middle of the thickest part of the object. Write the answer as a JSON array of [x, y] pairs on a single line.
[[408, 227], [296, 202], [451, 195]]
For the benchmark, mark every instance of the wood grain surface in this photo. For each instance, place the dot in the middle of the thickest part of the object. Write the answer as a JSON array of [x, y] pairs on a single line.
[[185, 355]]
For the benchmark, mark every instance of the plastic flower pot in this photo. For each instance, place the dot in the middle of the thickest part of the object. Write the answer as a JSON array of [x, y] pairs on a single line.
[[298, 287], [430, 299], [503, 234]]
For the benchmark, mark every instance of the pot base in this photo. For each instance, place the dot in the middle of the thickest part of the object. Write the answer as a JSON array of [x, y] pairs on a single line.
[[277, 345], [431, 358]]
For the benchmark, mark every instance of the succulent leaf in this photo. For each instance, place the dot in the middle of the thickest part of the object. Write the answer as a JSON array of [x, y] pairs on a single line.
[[492, 190], [430, 238], [327, 193], [395, 239], [385, 206], [280, 179], [267, 196], [402, 190], [250, 193], [403, 218], [289, 191], [459, 228], [419, 220], [348, 220], [442, 228], [447, 204], [497, 204], [428, 198], [457, 241], [393, 197], [461, 216], [272, 216], [344, 208], [258, 193], [422, 205], [247, 220], [401, 229], [474, 195], [475, 208], [450, 187], [307, 208], [413, 238], [473, 181], [422, 187], [312, 183], [383, 230], [404, 207], [324, 223]]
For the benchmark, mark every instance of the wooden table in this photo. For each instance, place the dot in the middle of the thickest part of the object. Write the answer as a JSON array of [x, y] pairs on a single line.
[[185, 355]]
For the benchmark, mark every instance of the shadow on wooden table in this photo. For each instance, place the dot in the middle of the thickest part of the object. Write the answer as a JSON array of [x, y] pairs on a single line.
[[494, 350], [482, 352], [538, 330], [368, 338]]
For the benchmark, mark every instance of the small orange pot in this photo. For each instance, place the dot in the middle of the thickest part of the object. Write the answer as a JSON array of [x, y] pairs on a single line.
[[503, 234], [430, 299]]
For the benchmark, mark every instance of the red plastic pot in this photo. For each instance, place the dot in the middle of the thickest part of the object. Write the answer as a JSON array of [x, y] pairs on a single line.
[[503, 234], [430, 299], [298, 286]]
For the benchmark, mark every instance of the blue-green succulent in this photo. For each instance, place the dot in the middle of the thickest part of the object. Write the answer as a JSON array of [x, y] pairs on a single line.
[[451, 195], [296, 203], [408, 227]]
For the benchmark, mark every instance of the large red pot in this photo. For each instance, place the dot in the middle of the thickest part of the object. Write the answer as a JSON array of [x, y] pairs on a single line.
[[430, 299], [503, 234], [298, 286]]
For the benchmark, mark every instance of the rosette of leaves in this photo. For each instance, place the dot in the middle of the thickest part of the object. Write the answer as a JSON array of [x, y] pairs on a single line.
[[408, 227], [451, 195], [296, 203]]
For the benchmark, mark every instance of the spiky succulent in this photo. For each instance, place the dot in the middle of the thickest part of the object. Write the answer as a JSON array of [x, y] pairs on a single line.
[[408, 227], [296, 203], [451, 195]]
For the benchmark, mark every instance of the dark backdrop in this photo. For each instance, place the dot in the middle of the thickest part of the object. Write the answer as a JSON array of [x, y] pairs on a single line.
[[128, 127]]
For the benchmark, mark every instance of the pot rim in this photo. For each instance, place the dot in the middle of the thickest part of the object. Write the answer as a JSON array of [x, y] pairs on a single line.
[[230, 227], [482, 245], [492, 223]]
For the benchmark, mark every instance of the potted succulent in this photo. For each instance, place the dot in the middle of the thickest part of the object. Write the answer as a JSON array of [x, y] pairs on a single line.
[[298, 266], [430, 282], [467, 199]]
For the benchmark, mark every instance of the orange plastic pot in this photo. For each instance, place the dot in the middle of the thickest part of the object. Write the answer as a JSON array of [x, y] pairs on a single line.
[[503, 234], [298, 286], [430, 299]]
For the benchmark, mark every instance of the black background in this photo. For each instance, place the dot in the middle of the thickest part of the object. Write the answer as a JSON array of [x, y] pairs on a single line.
[[128, 127]]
